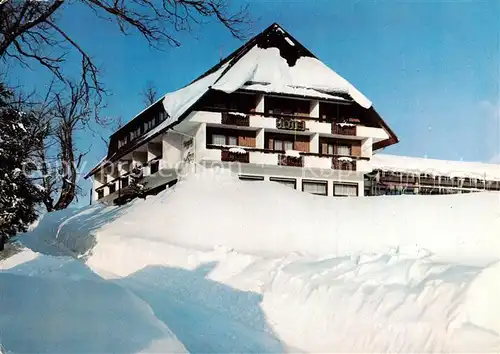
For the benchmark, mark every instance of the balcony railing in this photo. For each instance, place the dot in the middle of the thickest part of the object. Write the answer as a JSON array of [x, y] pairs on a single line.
[[235, 119], [343, 129], [343, 164], [394, 178], [229, 156], [285, 160], [430, 181]]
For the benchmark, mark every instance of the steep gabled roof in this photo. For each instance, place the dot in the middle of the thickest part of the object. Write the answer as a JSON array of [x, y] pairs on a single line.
[[272, 62]]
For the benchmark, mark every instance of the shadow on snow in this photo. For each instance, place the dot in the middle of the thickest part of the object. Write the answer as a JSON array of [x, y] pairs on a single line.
[[66, 307]]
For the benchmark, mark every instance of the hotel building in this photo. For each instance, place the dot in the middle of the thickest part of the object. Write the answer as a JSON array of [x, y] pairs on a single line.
[[270, 111]]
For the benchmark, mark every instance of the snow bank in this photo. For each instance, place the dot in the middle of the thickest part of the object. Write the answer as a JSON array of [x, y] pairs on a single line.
[[281, 270], [463, 227], [57, 305]]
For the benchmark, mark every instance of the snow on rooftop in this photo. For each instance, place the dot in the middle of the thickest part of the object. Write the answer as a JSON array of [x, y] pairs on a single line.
[[436, 167], [267, 66], [308, 77]]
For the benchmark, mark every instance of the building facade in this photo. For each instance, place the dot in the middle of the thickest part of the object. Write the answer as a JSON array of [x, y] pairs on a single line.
[[395, 175], [271, 111], [306, 128]]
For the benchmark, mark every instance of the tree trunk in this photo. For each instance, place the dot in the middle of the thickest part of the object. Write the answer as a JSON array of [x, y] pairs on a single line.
[[68, 189]]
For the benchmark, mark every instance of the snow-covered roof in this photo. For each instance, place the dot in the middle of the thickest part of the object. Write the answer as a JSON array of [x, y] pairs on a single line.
[[271, 62], [436, 167], [265, 70]]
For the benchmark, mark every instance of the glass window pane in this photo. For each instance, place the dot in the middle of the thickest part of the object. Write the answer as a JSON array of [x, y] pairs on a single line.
[[314, 187], [345, 190], [218, 139], [278, 145], [289, 183], [330, 149], [344, 150], [233, 140], [288, 145]]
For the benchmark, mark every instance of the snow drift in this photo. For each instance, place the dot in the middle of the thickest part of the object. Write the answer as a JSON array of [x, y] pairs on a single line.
[[263, 218], [216, 259]]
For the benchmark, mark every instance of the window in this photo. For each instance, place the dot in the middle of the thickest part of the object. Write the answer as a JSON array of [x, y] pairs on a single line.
[[100, 193], [344, 150], [315, 187], [283, 145], [154, 167], [161, 116], [149, 125], [345, 190], [328, 149], [122, 142], [232, 140], [278, 105], [289, 182], [124, 182], [135, 134], [219, 139], [112, 188], [251, 178]]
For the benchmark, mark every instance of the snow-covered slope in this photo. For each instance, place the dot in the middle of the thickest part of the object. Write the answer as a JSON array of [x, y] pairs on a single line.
[[58, 305], [233, 266]]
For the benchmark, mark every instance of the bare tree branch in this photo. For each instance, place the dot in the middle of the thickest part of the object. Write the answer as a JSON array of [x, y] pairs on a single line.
[[149, 94], [31, 29]]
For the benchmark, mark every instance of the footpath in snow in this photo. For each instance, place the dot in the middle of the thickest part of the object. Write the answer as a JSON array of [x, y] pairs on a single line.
[[221, 265]]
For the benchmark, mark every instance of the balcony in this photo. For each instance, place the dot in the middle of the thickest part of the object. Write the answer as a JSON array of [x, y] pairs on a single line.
[[230, 156], [343, 164], [285, 160], [344, 129], [241, 120], [428, 181]]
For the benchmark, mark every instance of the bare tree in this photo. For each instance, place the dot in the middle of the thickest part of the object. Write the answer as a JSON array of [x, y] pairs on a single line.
[[149, 94], [32, 30], [61, 115]]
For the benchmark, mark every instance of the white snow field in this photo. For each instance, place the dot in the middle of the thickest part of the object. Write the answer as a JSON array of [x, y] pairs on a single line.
[[220, 265]]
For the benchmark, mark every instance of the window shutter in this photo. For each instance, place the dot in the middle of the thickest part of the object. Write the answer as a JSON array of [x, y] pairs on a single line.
[[324, 148], [270, 145]]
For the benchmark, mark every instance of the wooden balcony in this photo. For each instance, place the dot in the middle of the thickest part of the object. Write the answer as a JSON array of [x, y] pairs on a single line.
[[339, 163], [235, 119], [229, 156], [428, 181], [284, 160], [343, 130]]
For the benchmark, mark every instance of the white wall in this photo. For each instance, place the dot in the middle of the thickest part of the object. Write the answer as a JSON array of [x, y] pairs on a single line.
[[314, 110], [172, 148], [205, 117], [260, 104], [370, 132], [367, 148], [314, 144], [263, 122], [260, 139], [261, 158]]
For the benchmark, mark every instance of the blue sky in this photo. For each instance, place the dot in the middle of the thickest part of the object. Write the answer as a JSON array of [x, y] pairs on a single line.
[[432, 68]]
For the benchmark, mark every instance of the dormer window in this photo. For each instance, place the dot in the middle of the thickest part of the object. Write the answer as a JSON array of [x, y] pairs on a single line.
[[148, 125], [122, 142], [135, 134]]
